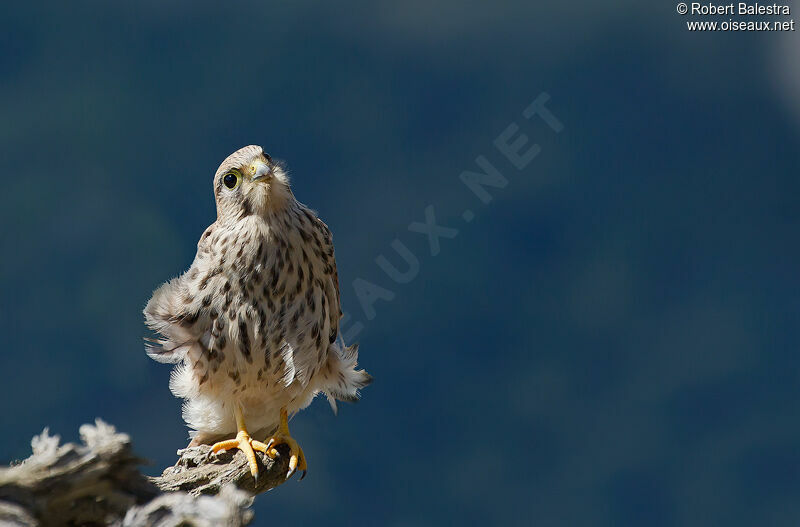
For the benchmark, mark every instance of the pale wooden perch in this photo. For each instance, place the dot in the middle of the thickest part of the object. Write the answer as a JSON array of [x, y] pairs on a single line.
[[98, 483]]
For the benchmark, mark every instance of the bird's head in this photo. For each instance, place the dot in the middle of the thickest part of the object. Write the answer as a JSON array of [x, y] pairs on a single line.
[[249, 182]]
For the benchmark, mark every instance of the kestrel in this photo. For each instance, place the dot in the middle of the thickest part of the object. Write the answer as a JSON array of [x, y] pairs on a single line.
[[254, 323]]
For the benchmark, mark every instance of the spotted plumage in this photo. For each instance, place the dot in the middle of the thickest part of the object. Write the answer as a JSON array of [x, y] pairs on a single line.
[[254, 322]]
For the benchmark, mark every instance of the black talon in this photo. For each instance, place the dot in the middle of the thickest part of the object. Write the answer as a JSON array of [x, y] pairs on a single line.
[[304, 475]]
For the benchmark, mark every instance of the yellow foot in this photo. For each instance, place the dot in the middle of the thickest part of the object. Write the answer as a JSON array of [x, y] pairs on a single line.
[[297, 459], [247, 445]]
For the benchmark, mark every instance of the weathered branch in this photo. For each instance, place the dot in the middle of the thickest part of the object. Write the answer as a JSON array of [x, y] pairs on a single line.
[[200, 472], [97, 482]]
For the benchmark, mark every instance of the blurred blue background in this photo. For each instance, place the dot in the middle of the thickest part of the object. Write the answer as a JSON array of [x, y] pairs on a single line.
[[611, 341]]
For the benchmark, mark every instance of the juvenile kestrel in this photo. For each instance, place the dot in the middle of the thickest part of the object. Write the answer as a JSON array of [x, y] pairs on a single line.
[[253, 324]]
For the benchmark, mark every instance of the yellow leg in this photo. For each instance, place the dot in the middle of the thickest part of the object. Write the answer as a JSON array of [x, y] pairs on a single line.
[[243, 442], [282, 436]]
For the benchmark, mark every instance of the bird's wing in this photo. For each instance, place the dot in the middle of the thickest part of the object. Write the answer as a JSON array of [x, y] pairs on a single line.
[[332, 285], [177, 315], [170, 318]]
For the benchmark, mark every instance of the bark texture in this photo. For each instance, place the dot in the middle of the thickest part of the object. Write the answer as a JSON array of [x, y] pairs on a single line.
[[97, 482]]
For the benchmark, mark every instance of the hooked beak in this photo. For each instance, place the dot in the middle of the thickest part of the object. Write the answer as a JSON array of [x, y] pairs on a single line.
[[260, 171]]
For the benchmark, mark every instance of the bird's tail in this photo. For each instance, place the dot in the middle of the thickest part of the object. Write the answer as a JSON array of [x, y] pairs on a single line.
[[343, 380]]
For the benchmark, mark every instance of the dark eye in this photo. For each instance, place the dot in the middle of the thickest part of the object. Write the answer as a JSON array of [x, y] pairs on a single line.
[[231, 179]]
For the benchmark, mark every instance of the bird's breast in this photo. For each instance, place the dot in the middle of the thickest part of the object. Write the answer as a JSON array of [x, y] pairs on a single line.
[[267, 310]]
